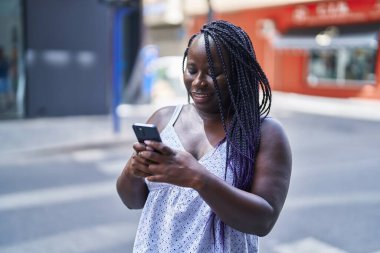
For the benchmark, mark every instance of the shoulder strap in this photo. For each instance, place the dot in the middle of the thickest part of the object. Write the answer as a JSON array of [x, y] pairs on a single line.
[[175, 115]]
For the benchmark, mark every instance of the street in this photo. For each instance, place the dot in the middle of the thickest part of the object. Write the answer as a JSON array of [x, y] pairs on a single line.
[[66, 201], [334, 195]]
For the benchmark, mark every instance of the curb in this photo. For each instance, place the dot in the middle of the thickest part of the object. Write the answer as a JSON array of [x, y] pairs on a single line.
[[70, 147], [352, 108]]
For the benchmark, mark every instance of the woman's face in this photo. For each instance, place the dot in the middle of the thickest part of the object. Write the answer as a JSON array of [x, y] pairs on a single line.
[[198, 80]]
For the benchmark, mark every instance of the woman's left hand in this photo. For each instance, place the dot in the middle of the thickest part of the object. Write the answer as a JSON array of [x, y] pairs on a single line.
[[172, 166]]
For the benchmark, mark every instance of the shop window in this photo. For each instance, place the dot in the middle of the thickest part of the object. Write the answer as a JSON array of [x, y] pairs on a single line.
[[342, 66], [12, 78]]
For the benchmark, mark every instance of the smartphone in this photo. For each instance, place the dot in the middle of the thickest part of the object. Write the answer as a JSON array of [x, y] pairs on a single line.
[[146, 132]]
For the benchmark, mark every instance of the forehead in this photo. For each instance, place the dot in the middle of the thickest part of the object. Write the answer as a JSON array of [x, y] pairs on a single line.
[[198, 49]]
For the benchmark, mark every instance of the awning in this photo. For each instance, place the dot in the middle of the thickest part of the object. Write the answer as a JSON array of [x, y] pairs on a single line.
[[320, 41], [193, 8]]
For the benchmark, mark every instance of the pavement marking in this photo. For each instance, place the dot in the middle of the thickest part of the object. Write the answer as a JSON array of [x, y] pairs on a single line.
[[112, 168], [96, 238], [64, 194], [57, 195], [309, 245], [333, 200], [88, 155]]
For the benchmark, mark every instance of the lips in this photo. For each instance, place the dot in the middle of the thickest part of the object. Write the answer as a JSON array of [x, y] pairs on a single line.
[[201, 97]]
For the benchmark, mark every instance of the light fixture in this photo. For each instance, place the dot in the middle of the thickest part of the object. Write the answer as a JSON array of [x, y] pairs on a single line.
[[325, 37]]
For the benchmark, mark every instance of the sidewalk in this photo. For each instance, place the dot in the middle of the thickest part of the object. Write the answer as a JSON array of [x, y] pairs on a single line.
[[361, 109], [80, 132], [29, 136]]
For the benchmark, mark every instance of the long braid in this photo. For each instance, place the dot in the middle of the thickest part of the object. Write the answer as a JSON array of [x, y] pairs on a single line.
[[244, 82]]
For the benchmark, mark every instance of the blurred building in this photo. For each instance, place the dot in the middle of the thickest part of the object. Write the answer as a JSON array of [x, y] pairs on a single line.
[[60, 60], [163, 41], [61, 55], [12, 74], [164, 21], [326, 48]]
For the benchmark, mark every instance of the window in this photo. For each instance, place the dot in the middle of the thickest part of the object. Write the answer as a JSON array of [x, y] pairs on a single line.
[[342, 56], [12, 84], [342, 66]]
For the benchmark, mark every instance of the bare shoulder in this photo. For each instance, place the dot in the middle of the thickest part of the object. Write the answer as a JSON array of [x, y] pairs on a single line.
[[274, 143], [272, 131], [161, 117]]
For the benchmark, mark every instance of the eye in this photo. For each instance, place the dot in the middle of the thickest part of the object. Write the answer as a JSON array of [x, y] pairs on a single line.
[[191, 70]]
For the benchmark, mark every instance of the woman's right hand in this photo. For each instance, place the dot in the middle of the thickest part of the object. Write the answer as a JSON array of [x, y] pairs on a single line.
[[130, 184], [139, 165]]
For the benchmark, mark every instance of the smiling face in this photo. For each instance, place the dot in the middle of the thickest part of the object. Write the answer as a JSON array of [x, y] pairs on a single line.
[[198, 79]]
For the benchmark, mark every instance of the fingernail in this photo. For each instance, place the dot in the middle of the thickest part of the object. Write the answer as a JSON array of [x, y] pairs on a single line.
[[147, 142]]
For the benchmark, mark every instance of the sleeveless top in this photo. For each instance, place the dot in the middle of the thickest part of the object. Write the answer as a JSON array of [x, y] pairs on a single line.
[[176, 219]]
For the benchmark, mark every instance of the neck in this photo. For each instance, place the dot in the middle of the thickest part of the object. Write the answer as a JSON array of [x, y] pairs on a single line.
[[212, 119]]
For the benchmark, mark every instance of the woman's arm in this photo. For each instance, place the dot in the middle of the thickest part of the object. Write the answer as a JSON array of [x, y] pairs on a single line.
[[252, 212], [131, 185], [256, 211], [131, 188]]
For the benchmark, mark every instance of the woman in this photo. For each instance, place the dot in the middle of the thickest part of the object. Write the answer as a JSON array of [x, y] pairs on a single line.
[[220, 177]]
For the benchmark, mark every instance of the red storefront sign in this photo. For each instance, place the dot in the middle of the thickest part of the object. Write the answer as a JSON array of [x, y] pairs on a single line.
[[336, 12], [292, 68]]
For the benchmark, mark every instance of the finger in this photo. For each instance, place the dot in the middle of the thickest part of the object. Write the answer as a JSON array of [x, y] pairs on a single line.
[[139, 166], [152, 156], [155, 169], [139, 147], [141, 160], [139, 173], [156, 178], [160, 147], [145, 160], [149, 148]]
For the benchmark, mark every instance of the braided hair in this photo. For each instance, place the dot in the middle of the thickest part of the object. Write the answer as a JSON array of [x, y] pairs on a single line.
[[244, 81]]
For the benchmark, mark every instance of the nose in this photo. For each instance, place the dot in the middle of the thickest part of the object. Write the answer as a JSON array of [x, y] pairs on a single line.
[[199, 81]]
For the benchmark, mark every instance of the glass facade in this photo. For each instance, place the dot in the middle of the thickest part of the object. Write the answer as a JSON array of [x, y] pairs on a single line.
[[342, 66], [12, 81]]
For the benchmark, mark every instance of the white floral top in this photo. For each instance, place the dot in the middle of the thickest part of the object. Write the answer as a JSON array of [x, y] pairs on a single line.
[[176, 219]]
